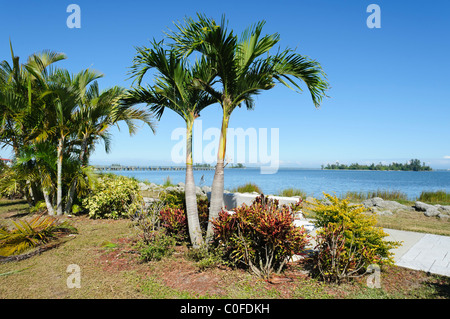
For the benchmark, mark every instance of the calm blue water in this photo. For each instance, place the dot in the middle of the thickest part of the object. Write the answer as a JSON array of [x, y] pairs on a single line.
[[313, 182]]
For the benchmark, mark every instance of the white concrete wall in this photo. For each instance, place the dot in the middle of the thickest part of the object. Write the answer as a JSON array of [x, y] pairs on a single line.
[[233, 200]]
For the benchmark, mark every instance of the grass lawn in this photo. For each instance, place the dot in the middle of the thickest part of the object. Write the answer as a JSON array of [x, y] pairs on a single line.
[[110, 268]]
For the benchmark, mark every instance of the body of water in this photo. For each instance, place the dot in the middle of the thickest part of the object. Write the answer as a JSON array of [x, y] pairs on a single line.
[[313, 181]]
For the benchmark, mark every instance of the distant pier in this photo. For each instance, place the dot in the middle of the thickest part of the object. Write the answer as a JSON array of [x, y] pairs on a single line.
[[116, 167]]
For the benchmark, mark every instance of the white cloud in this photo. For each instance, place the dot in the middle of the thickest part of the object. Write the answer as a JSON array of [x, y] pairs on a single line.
[[447, 156]]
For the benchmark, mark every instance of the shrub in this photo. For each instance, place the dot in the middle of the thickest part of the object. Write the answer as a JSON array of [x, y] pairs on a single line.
[[174, 221], [115, 197], [361, 235], [160, 245], [147, 220], [336, 261], [176, 199], [261, 236], [205, 257]]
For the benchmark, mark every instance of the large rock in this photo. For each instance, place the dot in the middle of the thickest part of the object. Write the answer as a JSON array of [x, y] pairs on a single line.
[[443, 209], [427, 209], [381, 204], [143, 186], [206, 189]]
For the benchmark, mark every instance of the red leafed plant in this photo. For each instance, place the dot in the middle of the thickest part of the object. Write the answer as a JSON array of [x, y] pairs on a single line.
[[261, 236], [174, 222]]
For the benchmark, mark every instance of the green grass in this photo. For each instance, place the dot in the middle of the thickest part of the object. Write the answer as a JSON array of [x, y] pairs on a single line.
[[437, 197], [17, 206], [382, 193], [289, 192], [168, 182], [247, 188], [110, 269]]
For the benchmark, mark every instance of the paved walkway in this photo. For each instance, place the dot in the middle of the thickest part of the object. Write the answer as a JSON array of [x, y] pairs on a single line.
[[421, 251]]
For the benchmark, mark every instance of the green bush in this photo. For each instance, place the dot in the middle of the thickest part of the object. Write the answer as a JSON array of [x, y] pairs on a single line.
[[338, 259], [205, 257], [261, 236], [176, 199], [114, 197], [360, 234], [160, 246]]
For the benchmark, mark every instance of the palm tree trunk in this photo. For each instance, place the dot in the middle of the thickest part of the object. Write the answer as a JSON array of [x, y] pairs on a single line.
[[59, 210], [218, 181], [195, 232], [73, 186], [48, 202]]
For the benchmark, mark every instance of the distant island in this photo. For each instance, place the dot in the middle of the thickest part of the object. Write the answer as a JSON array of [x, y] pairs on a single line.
[[412, 165]]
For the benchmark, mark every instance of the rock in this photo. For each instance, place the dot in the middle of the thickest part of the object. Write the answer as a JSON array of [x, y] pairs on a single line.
[[444, 216], [382, 212], [198, 191], [143, 186], [422, 206], [170, 189], [381, 204], [427, 209], [443, 209], [206, 189]]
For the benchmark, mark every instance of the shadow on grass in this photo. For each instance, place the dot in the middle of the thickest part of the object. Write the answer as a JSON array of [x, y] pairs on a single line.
[[13, 208], [442, 287], [13, 202]]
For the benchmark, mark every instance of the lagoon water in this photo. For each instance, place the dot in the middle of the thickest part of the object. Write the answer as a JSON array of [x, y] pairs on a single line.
[[313, 181]]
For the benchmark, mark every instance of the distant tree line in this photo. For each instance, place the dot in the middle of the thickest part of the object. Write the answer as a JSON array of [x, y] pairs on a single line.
[[412, 165]]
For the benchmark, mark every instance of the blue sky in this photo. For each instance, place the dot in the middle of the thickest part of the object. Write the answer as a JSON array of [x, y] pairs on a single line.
[[389, 86]]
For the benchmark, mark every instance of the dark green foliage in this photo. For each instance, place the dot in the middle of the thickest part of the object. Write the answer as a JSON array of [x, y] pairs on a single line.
[[412, 165], [160, 245]]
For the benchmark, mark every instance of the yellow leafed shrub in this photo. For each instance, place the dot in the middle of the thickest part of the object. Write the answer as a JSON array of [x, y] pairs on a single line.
[[359, 229]]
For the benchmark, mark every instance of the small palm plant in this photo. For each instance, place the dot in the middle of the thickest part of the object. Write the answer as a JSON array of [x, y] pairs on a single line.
[[29, 234]]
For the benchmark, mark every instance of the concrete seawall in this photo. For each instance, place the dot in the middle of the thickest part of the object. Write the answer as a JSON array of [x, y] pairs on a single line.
[[233, 200]]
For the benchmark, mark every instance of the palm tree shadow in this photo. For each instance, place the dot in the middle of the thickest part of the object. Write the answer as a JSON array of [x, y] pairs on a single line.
[[441, 287]]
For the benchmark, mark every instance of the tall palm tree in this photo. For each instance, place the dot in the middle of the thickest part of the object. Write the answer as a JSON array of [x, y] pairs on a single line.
[[19, 107], [62, 98], [175, 89], [245, 68]]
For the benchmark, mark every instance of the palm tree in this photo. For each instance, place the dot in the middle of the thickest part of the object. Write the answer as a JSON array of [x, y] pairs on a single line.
[[175, 89], [20, 111], [62, 98], [98, 112], [245, 68]]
